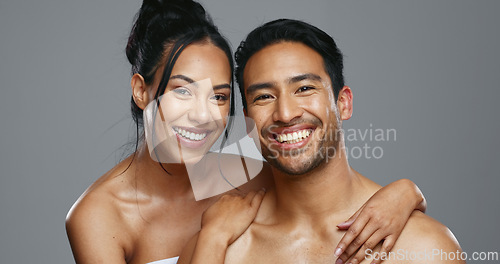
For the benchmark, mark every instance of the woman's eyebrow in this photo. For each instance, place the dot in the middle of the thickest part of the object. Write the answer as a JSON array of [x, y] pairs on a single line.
[[183, 77], [222, 86], [191, 81]]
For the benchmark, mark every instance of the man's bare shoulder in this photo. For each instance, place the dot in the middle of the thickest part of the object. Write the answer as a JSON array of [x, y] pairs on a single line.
[[425, 240]]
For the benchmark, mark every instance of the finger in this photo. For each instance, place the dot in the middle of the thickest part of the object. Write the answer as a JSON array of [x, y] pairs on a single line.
[[367, 247], [257, 199], [346, 224], [386, 248], [249, 197], [230, 196], [353, 232], [360, 240]]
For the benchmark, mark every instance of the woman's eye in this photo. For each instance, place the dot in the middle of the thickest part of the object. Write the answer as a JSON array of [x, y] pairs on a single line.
[[182, 91], [220, 97], [262, 97]]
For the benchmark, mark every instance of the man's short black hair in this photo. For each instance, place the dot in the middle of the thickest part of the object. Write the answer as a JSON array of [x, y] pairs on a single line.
[[289, 30]]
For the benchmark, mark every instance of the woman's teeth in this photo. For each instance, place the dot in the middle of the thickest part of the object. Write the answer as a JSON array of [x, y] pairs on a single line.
[[292, 138], [189, 135]]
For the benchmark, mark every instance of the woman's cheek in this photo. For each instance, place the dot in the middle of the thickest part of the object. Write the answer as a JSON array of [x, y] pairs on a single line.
[[174, 108]]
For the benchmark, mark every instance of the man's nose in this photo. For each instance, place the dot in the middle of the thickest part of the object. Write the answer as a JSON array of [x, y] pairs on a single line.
[[287, 108]]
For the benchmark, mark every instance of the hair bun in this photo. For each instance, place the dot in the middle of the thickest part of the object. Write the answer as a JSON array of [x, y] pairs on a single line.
[[160, 17], [175, 9]]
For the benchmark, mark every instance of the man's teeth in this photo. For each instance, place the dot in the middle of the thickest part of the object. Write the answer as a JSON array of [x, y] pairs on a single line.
[[190, 135], [294, 137]]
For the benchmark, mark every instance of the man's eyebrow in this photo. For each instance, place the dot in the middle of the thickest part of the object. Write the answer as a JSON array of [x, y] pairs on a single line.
[[306, 76], [257, 86], [189, 80]]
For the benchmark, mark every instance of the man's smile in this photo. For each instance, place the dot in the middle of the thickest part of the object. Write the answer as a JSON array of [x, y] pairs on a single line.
[[293, 137]]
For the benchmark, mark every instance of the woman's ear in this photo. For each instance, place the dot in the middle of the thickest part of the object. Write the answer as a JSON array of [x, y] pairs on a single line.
[[344, 103], [139, 91]]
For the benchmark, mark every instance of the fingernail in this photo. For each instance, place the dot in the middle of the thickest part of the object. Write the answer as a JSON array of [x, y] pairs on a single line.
[[345, 224], [348, 222], [338, 251], [263, 189], [339, 261]]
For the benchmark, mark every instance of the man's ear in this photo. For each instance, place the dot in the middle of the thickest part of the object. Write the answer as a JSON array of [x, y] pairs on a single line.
[[344, 103], [139, 91]]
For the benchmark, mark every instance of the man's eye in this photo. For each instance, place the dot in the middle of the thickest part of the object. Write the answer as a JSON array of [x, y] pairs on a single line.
[[305, 88], [262, 97]]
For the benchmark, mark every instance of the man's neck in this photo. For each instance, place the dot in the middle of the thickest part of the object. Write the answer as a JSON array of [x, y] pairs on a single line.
[[333, 189]]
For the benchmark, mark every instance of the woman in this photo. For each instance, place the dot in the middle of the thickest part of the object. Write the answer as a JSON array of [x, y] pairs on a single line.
[[144, 209]]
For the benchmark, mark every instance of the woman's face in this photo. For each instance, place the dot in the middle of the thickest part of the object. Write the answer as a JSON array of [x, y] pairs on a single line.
[[193, 110]]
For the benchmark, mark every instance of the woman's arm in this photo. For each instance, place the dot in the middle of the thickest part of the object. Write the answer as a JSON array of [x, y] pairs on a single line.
[[221, 225], [381, 218]]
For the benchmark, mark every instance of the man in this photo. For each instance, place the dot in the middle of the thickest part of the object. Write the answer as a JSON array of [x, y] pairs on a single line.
[[290, 76]]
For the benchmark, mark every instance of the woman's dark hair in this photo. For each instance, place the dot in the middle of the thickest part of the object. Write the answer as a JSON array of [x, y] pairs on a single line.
[[162, 30], [282, 30]]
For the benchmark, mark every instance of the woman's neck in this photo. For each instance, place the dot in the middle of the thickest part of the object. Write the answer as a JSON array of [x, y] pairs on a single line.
[[170, 180]]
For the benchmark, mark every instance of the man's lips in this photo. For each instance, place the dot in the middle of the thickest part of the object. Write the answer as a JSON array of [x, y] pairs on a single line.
[[292, 135]]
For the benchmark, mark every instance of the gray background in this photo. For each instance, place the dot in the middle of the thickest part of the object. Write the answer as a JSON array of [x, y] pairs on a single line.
[[428, 69]]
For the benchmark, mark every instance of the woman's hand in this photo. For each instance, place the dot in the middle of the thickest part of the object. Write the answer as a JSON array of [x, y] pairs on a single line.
[[229, 217], [221, 225], [382, 217]]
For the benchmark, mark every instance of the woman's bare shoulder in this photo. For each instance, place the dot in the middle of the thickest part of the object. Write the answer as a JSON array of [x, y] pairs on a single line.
[[96, 220], [101, 202]]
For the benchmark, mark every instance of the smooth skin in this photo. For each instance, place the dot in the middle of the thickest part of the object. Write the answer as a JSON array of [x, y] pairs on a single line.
[[137, 213], [292, 223]]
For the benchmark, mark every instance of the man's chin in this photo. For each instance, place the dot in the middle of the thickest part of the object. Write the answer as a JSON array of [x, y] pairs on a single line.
[[296, 166]]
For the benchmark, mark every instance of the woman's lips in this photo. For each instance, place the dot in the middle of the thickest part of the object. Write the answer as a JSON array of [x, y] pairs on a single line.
[[190, 134], [191, 137]]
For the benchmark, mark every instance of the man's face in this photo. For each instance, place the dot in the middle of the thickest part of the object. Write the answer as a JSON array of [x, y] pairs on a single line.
[[289, 95]]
